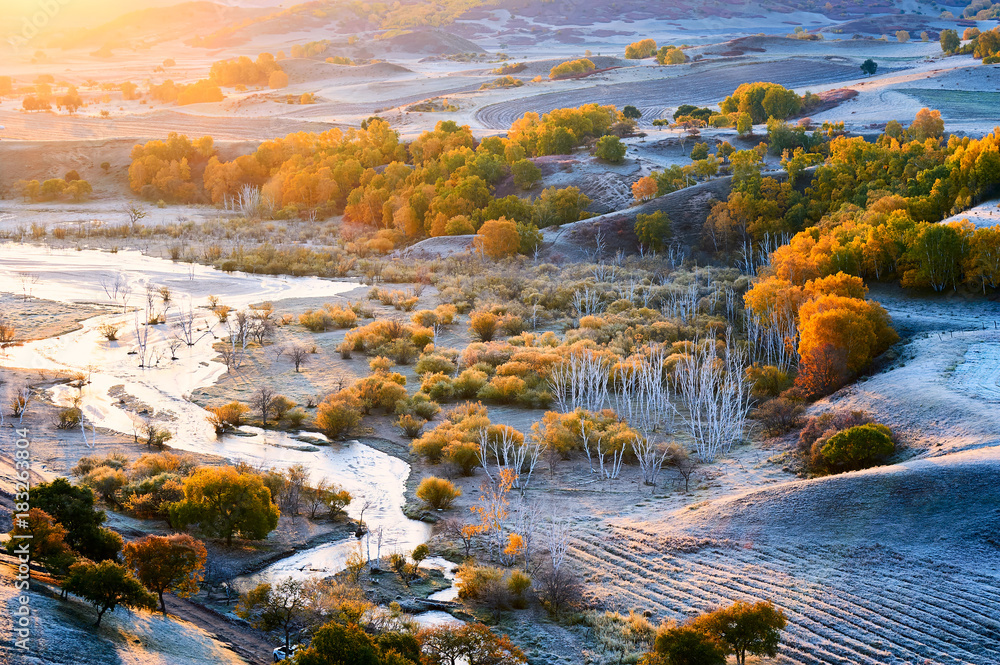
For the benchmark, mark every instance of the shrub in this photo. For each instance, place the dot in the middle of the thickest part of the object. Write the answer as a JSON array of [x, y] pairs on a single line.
[[858, 447], [503, 389], [484, 325], [153, 464], [768, 380], [435, 363], [438, 386], [382, 390], [411, 426], [469, 383], [780, 415], [419, 405], [69, 418], [518, 583], [328, 318], [227, 417], [438, 493], [105, 482], [571, 67], [827, 424], [463, 456], [483, 584], [339, 414]]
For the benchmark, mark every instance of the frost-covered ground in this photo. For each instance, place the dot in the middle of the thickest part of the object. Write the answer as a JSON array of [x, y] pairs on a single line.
[[62, 633], [897, 564]]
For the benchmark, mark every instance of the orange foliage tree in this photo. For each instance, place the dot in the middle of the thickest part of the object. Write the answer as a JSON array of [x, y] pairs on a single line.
[[167, 563], [498, 238]]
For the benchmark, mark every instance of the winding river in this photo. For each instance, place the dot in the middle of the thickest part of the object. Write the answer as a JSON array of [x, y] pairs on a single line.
[[89, 276]]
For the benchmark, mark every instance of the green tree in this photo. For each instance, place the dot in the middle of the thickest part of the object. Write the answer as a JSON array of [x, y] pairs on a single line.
[[530, 237], [525, 173], [474, 642], [73, 507], [744, 124], [653, 231], [745, 628], [699, 151], [685, 645], [610, 149], [226, 503], [936, 255], [869, 67], [106, 585], [950, 41], [337, 644], [631, 112]]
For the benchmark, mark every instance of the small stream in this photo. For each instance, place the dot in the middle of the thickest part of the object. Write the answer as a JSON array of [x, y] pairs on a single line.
[[164, 388]]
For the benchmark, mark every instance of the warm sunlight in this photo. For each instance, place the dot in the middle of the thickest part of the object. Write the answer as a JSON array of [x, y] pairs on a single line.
[[499, 332]]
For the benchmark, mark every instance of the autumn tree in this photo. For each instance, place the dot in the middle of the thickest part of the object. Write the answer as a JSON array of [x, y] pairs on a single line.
[[226, 503], [498, 238], [671, 55], [277, 79], [167, 563], [927, 124], [644, 48], [644, 189], [276, 606], [473, 643], [47, 541], [744, 628], [107, 585]]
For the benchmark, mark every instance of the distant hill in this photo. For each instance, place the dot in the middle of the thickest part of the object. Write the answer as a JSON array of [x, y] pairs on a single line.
[[156, 24]]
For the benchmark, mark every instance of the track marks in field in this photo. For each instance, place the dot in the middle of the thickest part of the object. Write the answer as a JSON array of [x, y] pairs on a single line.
[[863, 606]]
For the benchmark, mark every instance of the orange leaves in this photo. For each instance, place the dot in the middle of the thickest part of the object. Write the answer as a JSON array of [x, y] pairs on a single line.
[[498, 238], [644, 189], [163, 169]]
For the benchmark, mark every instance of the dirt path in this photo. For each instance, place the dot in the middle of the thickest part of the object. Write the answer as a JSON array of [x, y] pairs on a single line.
[[251, 645]]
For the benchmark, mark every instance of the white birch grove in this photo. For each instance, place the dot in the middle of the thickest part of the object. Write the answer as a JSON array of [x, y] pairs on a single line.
[[643, 392], [716, 395], [587, 301], [580, 381], [773, 340], [497, 453], [607, 469]]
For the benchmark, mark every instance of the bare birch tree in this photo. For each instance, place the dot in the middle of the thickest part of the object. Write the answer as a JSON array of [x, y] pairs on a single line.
[[716, 395]]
